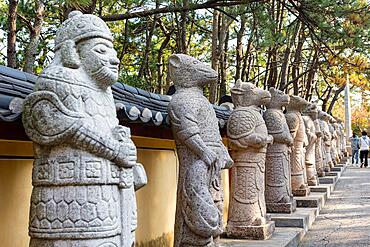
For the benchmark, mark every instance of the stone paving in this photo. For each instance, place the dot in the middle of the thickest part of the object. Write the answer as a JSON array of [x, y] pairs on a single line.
[[345, 219]]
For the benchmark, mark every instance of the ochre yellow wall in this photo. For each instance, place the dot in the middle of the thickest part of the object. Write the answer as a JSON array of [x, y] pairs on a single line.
[[15, 193], [156, 201]]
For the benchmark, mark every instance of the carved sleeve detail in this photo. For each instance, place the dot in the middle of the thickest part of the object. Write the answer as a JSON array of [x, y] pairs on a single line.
[[274, 122], [186, 129], [241, 123], [44, 126], [292, 121]]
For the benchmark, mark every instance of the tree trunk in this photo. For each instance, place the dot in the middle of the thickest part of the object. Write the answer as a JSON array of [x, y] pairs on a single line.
[[35, 31], [12, 32], [215, 54], [239, 49]]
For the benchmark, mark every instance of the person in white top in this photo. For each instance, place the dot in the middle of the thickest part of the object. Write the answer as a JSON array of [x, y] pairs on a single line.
[[364, 148]]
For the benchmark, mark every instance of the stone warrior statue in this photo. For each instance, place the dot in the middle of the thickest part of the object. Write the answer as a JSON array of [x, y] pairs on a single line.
[[297, 159], [334, 137], [319, 157], [202, 155], [309, 114], [248, 137], [324, 117], [85, 163], [279, 197]]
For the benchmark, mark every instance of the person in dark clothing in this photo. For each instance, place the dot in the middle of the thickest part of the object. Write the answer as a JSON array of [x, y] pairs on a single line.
[[355, 145]]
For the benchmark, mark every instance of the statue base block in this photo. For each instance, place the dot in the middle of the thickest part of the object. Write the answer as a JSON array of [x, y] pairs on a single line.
[[301, 192], [284, 208], [313, 182], [261, 232]]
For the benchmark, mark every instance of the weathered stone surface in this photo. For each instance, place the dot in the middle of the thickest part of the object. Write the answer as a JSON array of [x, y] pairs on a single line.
[[282, 237], [297, 158], [201, 154], [334, 141], [302, 218], [310, 114], [326, 141], [278, 194], [314, 200], [83, 179], [248, 142], [319, 160]]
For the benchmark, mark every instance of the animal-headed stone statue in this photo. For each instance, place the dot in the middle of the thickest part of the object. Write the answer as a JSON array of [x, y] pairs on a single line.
[[85, 162], [309, 115], [249, 138], [201, 152], [278, 194], [297, 158], [334, 140], [319, 157], [326, 140]]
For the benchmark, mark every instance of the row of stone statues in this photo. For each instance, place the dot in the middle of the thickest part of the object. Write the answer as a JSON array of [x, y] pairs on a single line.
[[276, 155], [85, 170]]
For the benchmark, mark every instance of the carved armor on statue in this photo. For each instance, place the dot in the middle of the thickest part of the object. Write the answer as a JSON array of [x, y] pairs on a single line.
[[248, 137], [297, 159], [319, 160], [85, 163], [324, 118], [202, 155], [309, 115], [278, 194]]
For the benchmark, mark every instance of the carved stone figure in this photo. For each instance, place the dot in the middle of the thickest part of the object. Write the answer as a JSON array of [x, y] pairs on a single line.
[[319, 159], [343, 139], [338, 139], [201, 153], [278, 194], [334, 137], [248, 137], [85, 163], [297, 159], [326, 144], [309, 115]]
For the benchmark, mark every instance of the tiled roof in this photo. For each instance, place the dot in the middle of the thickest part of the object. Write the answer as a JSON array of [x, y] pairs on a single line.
[[133, 104]]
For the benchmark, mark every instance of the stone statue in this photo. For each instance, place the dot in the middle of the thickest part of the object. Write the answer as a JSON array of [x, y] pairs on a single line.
[[248, 137], [309, 115], [326, 140], [339, 140], [85, 162], [201, 153], [279, 197], [297, 158], [343, 139], [334, 137], [319, 160]]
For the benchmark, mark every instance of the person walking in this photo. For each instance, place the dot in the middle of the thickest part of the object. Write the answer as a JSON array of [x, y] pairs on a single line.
[[364, 148], [355, 145]]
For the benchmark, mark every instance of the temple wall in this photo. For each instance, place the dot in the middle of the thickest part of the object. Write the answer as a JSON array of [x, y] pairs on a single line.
[[156, 201]]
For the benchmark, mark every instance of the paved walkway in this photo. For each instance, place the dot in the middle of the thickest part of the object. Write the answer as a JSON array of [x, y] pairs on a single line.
[[345, 219]]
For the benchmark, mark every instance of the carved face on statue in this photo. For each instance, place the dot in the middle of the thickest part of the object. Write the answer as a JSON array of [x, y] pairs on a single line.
[[297, 103], [84, 43], [278, 99], [99, 60], [311, 111], [187, 71], [247, 94]]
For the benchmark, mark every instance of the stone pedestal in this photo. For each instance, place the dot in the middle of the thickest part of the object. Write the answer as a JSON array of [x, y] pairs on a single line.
[[260, 232], [301, 192], [287, 208]]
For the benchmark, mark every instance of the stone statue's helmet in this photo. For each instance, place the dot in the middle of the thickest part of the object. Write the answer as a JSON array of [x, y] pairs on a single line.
[[80, 27]]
